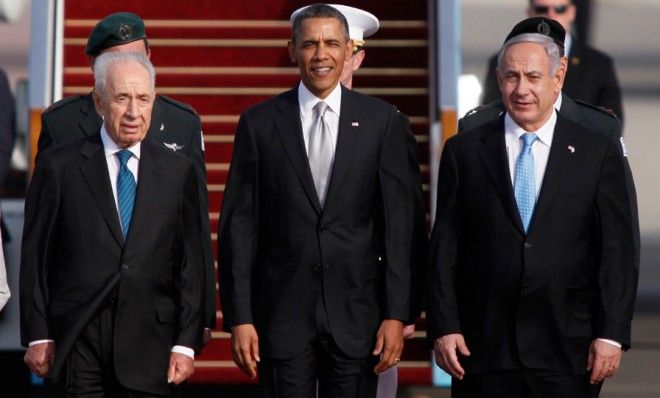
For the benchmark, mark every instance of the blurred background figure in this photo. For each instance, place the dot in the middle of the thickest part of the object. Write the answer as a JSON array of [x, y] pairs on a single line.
[[591, 76], [4, 286]]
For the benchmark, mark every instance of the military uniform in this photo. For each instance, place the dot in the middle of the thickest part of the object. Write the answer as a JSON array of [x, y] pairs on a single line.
[[587, 115], [173, 124]]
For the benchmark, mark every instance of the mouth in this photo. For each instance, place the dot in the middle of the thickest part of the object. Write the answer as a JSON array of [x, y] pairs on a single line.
[[321, 70]]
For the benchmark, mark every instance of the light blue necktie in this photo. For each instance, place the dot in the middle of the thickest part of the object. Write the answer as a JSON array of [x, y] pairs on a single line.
[[125, 191], [525, 186]]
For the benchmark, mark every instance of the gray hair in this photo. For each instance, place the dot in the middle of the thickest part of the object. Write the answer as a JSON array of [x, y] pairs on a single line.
[[552, 49], [104, 61], [318, 11]]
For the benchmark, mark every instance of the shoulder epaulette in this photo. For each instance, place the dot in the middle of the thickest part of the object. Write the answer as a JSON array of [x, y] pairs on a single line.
[[63, 101], [181, 105], [600, 109], [492, 107]]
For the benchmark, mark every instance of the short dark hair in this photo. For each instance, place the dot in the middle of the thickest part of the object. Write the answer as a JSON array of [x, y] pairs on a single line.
[[318, 11]]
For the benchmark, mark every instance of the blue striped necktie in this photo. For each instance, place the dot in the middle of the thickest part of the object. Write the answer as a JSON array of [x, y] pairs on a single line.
[[125, 191], [525, 185]]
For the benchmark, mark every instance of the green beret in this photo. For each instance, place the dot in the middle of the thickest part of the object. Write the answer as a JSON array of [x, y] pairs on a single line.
[[115, 30]]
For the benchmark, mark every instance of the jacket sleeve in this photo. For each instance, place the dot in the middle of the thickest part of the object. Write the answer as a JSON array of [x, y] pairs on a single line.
[[444, 247], [398, 198], [41, 212], [618, 275], [239, 225], [189, 280]]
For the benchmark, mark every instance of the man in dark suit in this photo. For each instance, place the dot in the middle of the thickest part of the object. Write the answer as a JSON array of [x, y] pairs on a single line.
[[590, 77], [533, 278], [589, 116], [319, 190], [174, 124], [111, 269]]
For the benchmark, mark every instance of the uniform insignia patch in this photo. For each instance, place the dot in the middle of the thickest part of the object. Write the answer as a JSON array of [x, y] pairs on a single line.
[[173, 146], [571, 149]]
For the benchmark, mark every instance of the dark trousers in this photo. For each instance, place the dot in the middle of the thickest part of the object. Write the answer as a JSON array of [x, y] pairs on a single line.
[[338, 375], [89, 369], [523, 383]]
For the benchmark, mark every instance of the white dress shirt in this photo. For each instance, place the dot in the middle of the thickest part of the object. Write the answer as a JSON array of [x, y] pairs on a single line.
[[307, 101], [540, 147], [111, 148]]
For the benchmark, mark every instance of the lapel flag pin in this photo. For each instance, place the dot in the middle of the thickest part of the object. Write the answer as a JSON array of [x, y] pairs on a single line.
[[355, 124], [571, 149]]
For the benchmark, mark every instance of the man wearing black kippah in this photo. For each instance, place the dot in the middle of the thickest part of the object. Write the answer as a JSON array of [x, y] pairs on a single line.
[[174, 124], [590, 77], [533, 274]]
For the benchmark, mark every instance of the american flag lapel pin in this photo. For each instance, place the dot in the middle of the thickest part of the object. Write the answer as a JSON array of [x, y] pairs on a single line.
[[571, 149]]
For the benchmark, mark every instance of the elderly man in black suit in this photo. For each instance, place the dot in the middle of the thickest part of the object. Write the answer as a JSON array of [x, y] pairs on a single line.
[[173, 124], [533, 278], [111, 272], [591, 76], [316, 228]]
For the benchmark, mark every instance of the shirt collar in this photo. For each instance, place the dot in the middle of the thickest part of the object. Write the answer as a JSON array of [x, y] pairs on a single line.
[[544, 133], [307, 99], [568, 42], [110, 147], [557, 105]]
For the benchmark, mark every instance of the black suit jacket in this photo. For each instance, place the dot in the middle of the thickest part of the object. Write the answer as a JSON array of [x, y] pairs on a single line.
[[75, 259], [590, 77], [279, 250], [173, 124], [586, 115], [535, 300]]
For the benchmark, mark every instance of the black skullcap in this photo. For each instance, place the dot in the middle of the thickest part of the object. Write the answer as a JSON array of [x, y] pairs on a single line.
[[541, 25], [114, 30]]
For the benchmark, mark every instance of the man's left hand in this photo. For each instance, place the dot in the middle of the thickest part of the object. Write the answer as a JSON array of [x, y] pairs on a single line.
[[603, 361], [181, 368], [389, 344]]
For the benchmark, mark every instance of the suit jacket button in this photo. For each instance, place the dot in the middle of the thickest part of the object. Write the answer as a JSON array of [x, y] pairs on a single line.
[[528, 245], [525, 288], [322, 228], [124, 267], [316, 267]]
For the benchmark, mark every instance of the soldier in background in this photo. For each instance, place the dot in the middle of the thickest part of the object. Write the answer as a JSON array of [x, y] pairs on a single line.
[[591, 76]]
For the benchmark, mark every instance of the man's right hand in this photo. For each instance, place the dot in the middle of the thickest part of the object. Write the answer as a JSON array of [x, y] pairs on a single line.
[[245, 348], [446, 356], [39, 357]]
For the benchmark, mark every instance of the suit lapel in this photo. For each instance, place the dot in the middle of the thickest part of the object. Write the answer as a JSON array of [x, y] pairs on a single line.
[[289, 128], [95, 172], [558, 167], [494, 158], [348, 138], [90, 123]]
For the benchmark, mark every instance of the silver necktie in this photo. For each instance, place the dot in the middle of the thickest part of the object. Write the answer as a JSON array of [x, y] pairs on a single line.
[[320, 151]]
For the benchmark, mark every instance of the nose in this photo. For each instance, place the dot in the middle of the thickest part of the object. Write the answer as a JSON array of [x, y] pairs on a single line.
[[521, 88], [321, 51], [132, 110]]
